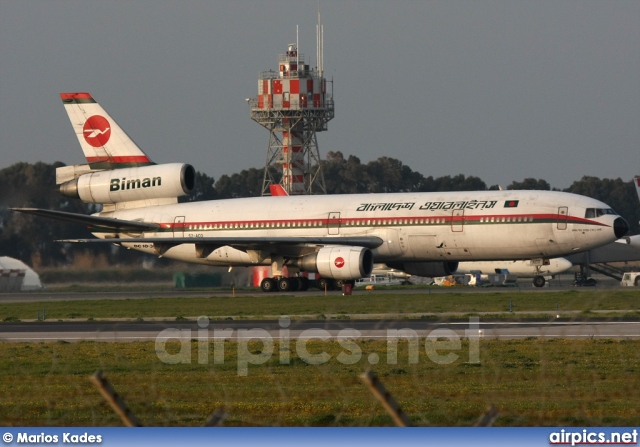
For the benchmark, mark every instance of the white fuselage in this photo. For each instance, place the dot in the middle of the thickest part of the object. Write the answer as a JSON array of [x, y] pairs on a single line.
[[520, 268], [447, 226], [633, 241]]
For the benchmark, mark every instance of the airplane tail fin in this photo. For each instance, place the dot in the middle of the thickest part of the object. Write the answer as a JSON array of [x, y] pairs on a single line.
[[276, 189], [104, 143]]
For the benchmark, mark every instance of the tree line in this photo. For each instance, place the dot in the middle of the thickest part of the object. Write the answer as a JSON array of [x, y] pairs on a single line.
[[32, 239]]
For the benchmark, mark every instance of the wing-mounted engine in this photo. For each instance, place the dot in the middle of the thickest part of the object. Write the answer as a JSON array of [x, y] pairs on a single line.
[[339, 262], [131, 184], [428, 269]]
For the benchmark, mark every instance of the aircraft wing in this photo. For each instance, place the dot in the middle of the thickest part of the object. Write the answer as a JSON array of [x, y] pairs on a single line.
[[248, 242], [91, 221], [293, 246]]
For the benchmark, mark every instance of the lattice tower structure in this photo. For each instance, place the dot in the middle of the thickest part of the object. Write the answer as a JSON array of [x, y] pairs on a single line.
[[293, 104]]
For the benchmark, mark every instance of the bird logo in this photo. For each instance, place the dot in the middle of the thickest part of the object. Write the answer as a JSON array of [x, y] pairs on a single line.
[[96, 131]]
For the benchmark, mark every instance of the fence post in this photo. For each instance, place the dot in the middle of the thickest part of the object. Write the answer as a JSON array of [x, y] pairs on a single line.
[[388, 402], [114, 400]]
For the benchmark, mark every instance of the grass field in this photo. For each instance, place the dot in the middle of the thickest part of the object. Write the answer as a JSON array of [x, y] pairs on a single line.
[[531, 382], [624, 302]]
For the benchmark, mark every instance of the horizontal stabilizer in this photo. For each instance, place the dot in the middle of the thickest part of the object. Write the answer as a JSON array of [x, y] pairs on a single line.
[[91, 221]]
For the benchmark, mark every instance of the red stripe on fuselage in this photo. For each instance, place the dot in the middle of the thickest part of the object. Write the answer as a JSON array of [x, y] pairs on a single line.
[[382, 221]]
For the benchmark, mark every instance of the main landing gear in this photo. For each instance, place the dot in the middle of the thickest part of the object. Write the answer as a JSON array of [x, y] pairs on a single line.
[[300, 284], [281, 282], [285, 284], [333, 284]]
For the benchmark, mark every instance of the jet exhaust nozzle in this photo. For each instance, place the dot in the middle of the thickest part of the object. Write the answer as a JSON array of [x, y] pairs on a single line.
[[69, 189]]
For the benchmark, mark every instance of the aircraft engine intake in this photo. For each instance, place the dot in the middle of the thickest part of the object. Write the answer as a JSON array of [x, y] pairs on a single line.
[[339, 262], [129, 184], [428, 269]]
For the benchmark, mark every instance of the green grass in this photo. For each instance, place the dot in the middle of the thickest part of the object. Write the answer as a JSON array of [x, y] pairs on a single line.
[[378, 302], [530, 382]]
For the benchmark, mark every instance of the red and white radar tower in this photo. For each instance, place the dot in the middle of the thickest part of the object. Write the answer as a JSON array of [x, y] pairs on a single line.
[[293, 104]]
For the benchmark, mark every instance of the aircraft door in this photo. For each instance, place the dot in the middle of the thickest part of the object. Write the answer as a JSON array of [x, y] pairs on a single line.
[[563, 214], [178, 226], [457, 221], [333, 224]]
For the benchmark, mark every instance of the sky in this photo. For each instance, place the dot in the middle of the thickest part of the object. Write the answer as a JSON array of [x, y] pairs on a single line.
[[501, 90]]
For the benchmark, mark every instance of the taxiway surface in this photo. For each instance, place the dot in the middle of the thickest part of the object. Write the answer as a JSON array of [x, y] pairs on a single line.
[[309, 329]]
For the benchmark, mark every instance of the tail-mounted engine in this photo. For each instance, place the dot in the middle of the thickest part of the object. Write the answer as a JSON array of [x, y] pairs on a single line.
[[131, 184], [339, 262]]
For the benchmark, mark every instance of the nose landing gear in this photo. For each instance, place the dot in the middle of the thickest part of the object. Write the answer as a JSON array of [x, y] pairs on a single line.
[[539, 281]]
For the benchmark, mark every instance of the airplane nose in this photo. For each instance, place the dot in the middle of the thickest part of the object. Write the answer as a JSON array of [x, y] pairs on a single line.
[[564, 264], [620, 227]]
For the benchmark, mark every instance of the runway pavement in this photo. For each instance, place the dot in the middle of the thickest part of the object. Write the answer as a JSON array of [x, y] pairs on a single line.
[[319, 329]]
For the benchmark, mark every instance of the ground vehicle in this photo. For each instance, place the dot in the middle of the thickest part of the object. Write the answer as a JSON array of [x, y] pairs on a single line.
[[630, 279]]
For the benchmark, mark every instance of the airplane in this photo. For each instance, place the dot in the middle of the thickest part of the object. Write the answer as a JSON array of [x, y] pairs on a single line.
[[522, 268], [336, 236], [622, 250], [633, 241], [625, 249]]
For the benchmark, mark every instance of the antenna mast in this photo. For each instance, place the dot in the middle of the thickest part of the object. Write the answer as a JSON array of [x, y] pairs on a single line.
[[319, 44]]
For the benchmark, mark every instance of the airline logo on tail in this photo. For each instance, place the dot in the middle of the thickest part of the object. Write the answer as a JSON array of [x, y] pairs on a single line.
[[97, 131]]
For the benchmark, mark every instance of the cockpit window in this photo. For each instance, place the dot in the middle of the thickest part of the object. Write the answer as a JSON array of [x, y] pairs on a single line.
[[597, 212]]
